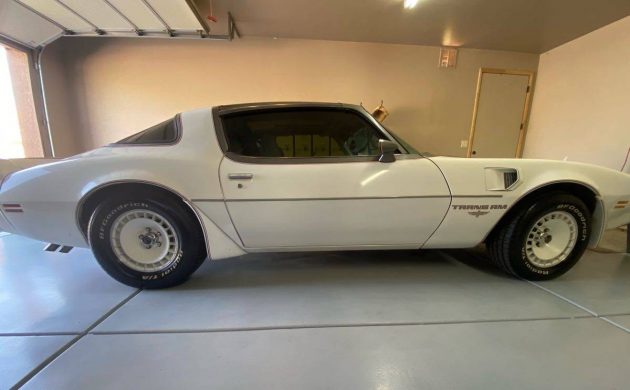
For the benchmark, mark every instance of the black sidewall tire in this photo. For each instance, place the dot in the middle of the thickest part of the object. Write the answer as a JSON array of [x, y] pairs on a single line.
[[189, 257], [559, 202]]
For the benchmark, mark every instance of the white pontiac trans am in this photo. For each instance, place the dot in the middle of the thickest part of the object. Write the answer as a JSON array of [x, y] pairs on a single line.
[[236, 179]]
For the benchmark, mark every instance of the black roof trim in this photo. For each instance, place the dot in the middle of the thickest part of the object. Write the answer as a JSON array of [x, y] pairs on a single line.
[[271, 105]]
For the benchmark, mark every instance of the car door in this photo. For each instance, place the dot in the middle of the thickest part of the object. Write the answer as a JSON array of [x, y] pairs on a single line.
[[310, 177]]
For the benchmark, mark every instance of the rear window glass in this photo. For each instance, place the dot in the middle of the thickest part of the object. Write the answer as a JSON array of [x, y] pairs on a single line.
[[162, 133]]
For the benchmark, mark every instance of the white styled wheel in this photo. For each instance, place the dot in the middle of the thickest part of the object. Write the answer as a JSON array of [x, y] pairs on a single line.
[[551, 239], [144, 241]]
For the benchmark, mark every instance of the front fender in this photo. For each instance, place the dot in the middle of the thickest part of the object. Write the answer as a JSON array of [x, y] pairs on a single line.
[[466, 179]]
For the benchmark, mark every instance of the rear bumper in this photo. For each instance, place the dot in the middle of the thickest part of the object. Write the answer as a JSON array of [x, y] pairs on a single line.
[[36, 205], [44, 221]]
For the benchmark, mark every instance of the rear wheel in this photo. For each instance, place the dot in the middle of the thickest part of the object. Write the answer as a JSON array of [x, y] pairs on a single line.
[[544, 238], [146, 243]]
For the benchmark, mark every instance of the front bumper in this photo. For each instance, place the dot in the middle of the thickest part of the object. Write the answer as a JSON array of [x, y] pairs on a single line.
[[5, 225], [618, 215]]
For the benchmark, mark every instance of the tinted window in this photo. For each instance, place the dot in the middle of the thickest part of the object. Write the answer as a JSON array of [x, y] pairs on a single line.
[[162, 133], [301, 133]]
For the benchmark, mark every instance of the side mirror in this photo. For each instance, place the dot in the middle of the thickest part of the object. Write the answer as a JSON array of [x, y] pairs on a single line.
[[387, 150]]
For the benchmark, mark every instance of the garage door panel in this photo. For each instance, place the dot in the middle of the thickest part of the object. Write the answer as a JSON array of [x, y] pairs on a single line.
[[177, 14], [99, 13], [59, 13], [24, 26], [139, 14]]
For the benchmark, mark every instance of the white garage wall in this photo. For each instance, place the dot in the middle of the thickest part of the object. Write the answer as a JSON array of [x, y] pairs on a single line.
[[581, 107], [103, 89]]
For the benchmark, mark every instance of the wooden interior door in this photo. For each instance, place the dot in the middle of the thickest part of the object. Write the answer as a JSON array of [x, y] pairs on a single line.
[[499, 118]]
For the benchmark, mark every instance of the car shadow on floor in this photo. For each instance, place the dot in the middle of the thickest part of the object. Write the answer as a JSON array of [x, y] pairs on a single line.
[[345, 268], [476, 258]]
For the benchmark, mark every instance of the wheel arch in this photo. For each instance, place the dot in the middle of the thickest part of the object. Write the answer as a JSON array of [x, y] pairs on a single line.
[[585, 192], [92, 198]]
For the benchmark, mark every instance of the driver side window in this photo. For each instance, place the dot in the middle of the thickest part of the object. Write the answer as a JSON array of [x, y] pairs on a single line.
[[300, 133]]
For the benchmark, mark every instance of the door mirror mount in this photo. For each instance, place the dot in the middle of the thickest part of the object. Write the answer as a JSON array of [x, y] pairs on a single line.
[[387, 149]]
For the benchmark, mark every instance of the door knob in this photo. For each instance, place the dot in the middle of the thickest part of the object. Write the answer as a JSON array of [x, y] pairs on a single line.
[[240, 176]]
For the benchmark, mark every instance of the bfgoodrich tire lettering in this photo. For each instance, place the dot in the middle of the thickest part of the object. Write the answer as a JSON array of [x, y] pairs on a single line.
[[513, 245], [179, 232]]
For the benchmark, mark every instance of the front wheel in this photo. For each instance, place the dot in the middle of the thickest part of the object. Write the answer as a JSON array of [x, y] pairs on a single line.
[[543, 239], [146, 243]]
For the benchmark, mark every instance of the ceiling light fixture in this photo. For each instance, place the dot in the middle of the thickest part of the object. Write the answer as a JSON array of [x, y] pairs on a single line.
[[409, 4]]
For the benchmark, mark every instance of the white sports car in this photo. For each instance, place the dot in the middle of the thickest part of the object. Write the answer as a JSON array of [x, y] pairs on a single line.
[[236, 179]]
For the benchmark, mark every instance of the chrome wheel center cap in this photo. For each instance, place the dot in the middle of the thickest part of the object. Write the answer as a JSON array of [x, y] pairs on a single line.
[[543, 237], [150, 238]]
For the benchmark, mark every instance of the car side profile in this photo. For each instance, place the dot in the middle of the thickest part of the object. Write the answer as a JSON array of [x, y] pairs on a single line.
[[267, 177]]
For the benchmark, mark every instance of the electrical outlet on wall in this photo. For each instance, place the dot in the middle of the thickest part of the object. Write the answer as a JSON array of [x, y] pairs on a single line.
[[463, 143]]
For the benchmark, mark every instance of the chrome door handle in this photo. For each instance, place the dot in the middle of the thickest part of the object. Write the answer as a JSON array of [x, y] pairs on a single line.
[[240, 176]]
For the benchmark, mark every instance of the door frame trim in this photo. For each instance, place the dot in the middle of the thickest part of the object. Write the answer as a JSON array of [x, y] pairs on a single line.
[[526, 107]]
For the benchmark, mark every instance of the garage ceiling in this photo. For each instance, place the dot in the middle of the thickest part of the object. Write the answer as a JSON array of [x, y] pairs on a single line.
[[533, 26]]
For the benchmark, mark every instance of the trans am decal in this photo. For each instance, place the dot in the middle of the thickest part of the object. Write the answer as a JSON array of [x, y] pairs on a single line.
[[478, 210]]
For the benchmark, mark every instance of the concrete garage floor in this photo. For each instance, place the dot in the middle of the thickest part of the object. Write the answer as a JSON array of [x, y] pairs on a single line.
[[356, 320]]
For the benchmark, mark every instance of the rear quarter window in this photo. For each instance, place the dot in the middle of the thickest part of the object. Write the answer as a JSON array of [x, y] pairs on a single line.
[[166, 132]]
